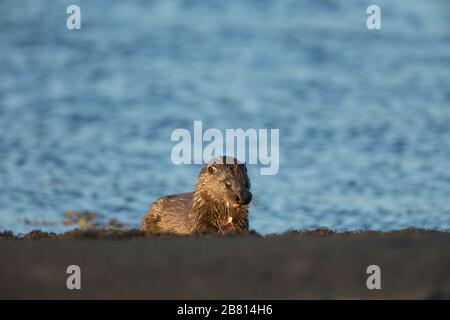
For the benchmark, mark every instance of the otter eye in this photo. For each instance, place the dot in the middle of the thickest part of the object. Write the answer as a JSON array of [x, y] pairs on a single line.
[[228, 185]]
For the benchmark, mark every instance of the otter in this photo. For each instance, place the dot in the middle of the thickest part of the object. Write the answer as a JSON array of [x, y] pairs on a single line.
[[219, 203]]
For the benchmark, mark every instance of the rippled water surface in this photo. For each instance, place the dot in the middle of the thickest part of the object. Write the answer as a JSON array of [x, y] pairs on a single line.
[[364, 116]]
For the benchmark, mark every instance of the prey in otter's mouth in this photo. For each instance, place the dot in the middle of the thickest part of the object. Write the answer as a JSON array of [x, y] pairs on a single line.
[[218, 204]]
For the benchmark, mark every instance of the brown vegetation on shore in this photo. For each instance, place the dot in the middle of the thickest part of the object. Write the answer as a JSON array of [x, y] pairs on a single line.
[[110, 233]]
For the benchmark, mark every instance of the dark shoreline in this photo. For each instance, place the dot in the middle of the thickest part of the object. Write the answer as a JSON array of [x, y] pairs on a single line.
[[102, 233], [314, 264]]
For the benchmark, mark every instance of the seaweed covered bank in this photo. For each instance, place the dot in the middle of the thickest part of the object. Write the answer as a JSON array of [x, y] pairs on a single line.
[[123, 264]]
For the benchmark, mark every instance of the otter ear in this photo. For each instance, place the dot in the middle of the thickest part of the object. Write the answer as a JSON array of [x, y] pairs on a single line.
[[212, 169]]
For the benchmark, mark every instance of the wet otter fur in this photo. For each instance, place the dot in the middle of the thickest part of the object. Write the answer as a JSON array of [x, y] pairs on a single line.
[[219, 203]]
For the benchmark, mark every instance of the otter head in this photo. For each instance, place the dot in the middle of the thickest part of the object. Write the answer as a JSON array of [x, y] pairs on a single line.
[[225, 180]]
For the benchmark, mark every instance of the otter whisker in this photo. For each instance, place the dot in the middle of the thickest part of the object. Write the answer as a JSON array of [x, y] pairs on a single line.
[[257, 200]]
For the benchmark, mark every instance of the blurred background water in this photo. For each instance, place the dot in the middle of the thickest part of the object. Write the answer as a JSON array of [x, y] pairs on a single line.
[[364, 116]]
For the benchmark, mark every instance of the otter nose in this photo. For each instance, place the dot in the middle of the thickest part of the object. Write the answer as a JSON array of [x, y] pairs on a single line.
[[244, 198]]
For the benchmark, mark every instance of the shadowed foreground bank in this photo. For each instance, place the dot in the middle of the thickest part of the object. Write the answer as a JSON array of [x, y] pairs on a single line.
[[295, 265]]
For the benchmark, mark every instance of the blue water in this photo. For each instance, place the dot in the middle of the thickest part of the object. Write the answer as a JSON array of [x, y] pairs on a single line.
[[364, 116]]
